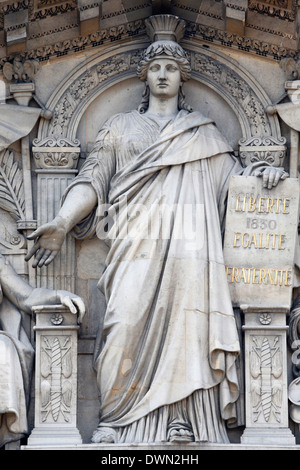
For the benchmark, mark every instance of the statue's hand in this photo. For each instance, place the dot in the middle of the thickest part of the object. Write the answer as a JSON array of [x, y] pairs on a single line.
[[74, 303], [48, 241], [271, 175]]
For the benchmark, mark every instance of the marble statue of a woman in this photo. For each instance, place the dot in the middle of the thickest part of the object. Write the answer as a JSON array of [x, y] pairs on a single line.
[[166, 370], [16, 351]]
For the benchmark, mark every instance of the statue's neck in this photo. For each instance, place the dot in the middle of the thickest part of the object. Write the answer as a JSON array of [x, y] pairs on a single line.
[[163, 107]]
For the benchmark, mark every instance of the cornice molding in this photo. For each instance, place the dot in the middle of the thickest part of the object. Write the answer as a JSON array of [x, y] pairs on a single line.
[[282, 9], [136, 28]]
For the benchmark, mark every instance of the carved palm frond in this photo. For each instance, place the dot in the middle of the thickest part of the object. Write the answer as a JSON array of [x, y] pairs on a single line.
[[11, 186]]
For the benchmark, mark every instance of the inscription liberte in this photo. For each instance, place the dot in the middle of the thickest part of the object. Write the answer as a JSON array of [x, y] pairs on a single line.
[[263, 240]]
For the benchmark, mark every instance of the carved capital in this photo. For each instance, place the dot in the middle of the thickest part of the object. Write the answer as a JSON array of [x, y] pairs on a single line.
[[52, 153], [259, 149]]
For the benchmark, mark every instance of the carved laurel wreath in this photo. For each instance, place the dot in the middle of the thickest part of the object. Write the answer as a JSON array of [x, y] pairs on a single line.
[[11, 186]]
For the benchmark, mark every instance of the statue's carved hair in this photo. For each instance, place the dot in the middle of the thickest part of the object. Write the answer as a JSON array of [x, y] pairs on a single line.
[[168, 49], [164, 49]]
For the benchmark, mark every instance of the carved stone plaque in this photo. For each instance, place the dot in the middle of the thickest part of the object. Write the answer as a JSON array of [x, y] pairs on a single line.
[[260, 240]]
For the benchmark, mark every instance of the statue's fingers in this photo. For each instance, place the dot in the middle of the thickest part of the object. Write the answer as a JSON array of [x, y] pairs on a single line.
[[44, 258], [80, 306], [38, 257], [51, 257], [271, 180], [37, 233], [277, 178], [32, 251], [67, 302], [266, 179]]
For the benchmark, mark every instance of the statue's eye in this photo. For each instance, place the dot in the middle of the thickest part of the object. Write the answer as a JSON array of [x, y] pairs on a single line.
[[172, 68], [155, 68]]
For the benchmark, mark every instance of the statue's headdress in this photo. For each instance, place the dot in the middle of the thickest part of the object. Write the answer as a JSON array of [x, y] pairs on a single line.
[[165, 28], [165, 32]]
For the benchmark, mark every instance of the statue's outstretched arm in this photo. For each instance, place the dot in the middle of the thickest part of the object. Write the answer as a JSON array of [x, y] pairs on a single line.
[[49, 237]]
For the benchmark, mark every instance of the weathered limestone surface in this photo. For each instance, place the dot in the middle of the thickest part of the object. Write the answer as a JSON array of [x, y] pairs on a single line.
[[81, 59]]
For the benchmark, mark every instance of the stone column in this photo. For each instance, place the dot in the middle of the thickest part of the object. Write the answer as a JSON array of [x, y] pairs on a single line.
[[56, 161], [266, 384], [55, 421]]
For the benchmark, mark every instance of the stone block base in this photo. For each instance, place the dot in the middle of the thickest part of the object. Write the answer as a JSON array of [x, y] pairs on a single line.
[[266, 437], [191, 448], [45, 437]]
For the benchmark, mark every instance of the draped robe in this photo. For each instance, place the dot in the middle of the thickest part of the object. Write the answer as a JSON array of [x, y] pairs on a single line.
[[16, 362], [170, 340]]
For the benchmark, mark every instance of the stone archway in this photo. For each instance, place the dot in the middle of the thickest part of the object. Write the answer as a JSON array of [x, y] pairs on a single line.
[[224, 76]]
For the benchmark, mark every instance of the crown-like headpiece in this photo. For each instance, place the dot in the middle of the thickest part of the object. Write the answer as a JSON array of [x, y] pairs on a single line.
[[165, 28], [165, 31]]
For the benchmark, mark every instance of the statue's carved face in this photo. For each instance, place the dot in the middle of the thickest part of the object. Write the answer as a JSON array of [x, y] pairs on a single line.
[[164, 78]]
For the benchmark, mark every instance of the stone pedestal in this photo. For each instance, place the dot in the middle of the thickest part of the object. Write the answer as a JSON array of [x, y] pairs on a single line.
[[266, 377], [260, 274], [55, 421]]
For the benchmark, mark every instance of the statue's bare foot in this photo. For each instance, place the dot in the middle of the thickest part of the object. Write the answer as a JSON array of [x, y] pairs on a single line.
[[104, 435], [181, 435]]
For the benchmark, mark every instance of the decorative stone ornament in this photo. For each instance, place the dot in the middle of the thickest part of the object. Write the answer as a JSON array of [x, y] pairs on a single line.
[[20, 71], [54, 153], [56, 382], [165, 28], [259, 149]]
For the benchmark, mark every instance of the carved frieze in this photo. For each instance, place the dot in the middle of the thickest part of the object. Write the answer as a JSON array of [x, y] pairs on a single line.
[[294, 343], [83, 86], [227, 80], [258, 149], [135, 28], [51, 153], [266, 377], [237, 88], [12, 197], [180, 5], [283, 9], [20, 71], [56, 370], [266, 385], [205, 23], [12, 208], [14, 6], [55, 377], [40, 9]]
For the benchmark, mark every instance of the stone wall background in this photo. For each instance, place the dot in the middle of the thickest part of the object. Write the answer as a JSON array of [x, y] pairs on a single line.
[[68, 38]]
